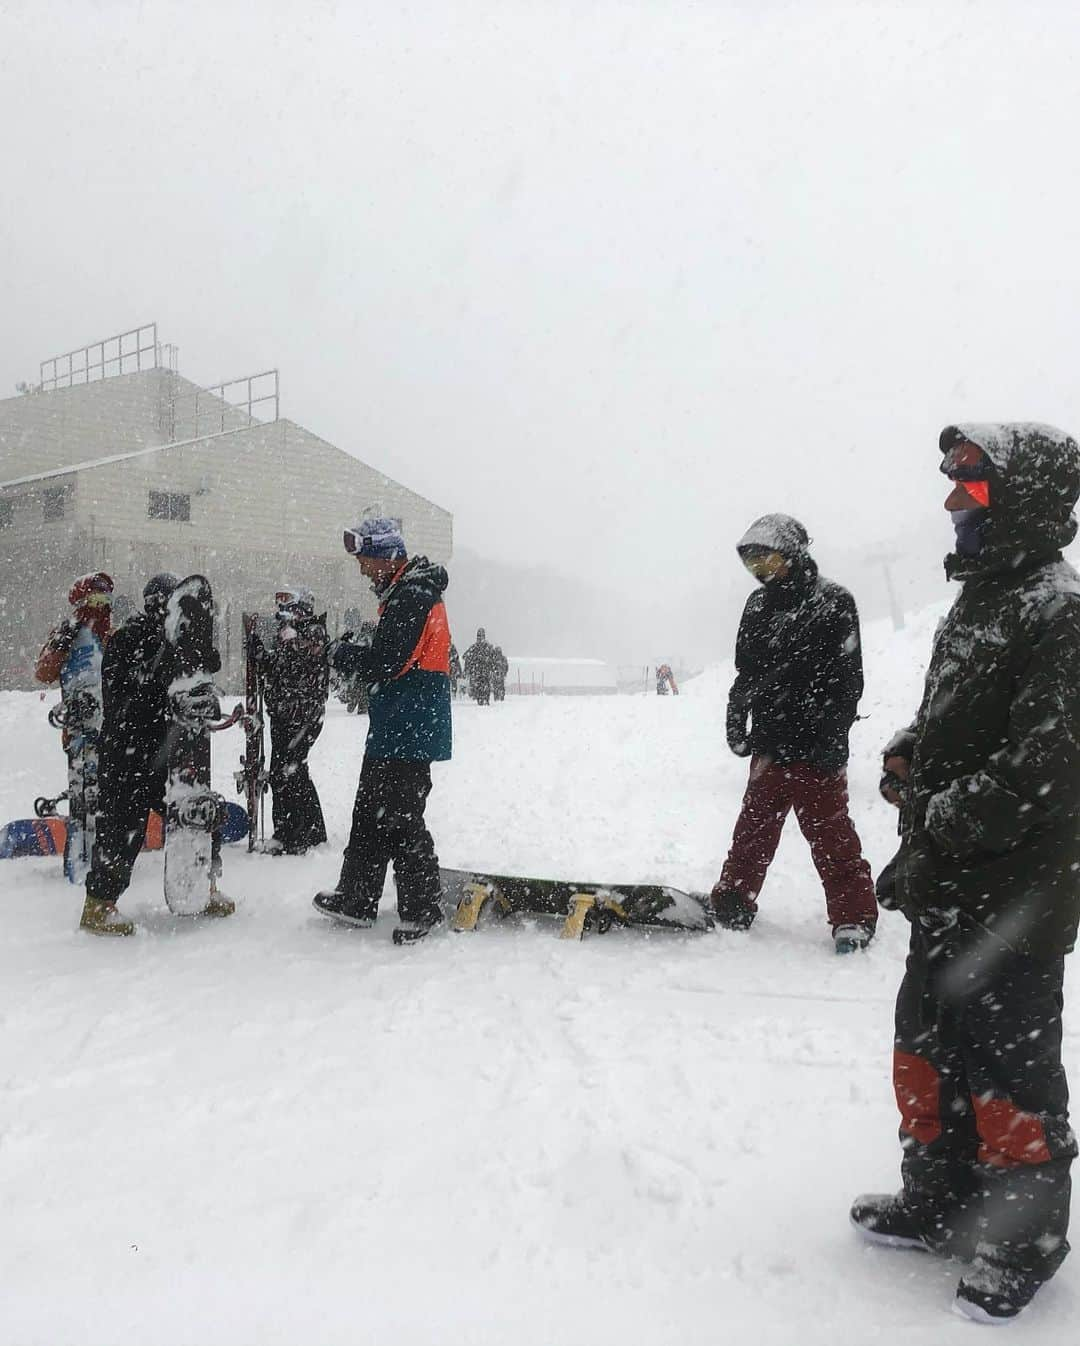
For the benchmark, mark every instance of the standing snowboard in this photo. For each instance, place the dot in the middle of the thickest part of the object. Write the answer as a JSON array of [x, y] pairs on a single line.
[[79, 715], [192, 810]]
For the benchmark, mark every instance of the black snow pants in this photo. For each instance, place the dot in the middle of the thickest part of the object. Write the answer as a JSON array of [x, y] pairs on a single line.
[[983, 1098], [298, 816], [388, 825], [131, 782]]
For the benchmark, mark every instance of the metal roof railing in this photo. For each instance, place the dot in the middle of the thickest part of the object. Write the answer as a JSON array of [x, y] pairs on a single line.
[[136, 349]]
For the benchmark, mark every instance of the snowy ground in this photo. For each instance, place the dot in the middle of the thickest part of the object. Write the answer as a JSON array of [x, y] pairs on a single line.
[[270, 1130]]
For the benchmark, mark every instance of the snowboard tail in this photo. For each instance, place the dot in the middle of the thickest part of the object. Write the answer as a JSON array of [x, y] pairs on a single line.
[[583, 907], [24, 838]]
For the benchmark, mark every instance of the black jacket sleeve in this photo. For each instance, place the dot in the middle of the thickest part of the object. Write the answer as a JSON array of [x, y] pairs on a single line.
[[845, 682], [396, 637], [1030, 782]]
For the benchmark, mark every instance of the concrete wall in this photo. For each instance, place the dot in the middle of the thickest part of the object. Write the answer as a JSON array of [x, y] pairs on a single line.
[[40, 431], [268, 505]]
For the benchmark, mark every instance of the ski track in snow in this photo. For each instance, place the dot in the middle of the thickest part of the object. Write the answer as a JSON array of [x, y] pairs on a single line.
[[270, 1130]]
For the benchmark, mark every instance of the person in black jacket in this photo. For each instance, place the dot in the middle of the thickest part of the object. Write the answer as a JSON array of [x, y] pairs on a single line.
[[987, 781], [296, 676], [479, 666], [132, 764], [792, 704]]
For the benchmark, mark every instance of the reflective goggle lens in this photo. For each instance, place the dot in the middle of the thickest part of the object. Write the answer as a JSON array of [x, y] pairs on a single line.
[[964, 462], [764, 565], [96, 601]]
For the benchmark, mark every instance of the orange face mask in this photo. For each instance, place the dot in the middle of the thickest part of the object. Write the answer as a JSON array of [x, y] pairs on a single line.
[[979, 492]]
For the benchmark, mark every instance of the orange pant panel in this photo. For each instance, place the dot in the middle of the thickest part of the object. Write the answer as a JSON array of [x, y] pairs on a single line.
[[1009, 1135], [917, 1092]]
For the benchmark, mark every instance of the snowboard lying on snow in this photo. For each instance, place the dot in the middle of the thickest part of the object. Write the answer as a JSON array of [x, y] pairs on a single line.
[[583, 906], [46, 836]]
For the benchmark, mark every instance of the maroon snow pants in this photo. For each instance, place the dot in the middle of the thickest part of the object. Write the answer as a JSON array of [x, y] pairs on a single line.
[[820, 801]]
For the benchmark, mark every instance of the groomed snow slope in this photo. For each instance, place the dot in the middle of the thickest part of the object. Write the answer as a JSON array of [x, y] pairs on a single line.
[[271, 1130]]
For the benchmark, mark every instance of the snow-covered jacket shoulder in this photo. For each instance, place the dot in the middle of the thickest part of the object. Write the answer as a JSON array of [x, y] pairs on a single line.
[[992, 820], [406, 668]]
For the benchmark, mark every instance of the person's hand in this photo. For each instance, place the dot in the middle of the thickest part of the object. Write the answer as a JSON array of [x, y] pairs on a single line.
[[738, 736], [893, 780]]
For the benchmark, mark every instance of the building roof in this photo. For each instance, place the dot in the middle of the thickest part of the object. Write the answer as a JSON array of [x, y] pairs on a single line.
[[119, 457]]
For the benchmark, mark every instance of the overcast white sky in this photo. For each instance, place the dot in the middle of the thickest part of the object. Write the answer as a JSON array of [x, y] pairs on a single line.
[[606, 280]]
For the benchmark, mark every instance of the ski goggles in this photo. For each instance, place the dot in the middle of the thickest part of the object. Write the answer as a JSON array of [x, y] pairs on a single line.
[[966, 463], [763, 565], [96, 600]]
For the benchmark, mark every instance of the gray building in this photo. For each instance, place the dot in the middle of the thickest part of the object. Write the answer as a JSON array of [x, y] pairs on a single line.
[[116, 462]]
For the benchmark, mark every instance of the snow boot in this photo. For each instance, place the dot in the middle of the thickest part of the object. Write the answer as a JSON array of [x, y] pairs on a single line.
[[885, 1218], [219, 905], [993, 1293], [102, 918], [411, 932], [334, 903], [731, 910], [888, 1219], [852, 938]]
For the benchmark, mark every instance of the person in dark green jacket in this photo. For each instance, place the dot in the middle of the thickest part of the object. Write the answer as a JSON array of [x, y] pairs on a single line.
[[987, 781], [405, 665]]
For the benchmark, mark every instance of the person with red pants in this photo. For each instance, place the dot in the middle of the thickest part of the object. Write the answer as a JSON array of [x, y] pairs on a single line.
[[799, 679]]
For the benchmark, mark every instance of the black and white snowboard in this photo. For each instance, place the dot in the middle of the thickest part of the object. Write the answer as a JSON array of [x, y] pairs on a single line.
[[192, 810]]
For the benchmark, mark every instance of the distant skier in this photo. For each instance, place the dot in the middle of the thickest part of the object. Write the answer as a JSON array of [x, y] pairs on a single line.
[[665, 681], [133, 762], [406, 667], [987, 780], [791, 707], [296, 675], [72, 654], [500, 666], [479, 666]]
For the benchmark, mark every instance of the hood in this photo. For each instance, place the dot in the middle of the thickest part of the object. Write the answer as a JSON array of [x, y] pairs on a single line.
[[1034, 486], [778, 532], [423, 572]]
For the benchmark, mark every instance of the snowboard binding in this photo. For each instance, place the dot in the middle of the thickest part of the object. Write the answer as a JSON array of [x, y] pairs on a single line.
[[46, 807], [204, 812]]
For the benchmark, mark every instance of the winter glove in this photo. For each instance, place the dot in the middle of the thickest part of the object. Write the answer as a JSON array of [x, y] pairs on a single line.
[[738, 735], [196, 704], [902, 744], [891, 782], [885, 887], [334, 648]]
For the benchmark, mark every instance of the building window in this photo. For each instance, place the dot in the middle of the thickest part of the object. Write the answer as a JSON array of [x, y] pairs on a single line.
[[52, 502], [7, 513], [169, 505]]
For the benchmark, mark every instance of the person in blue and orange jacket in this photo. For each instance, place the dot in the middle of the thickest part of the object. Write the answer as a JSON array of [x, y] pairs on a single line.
[[405, 664]]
